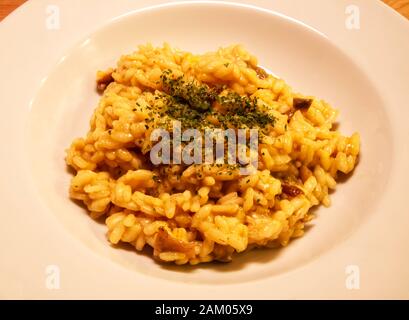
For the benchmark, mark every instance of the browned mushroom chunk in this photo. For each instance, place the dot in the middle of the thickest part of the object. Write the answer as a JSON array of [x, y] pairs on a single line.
[[104, 81], [222, 253], [164, 242], [261, 73], [301, 103], [298, 104], [291, 190]]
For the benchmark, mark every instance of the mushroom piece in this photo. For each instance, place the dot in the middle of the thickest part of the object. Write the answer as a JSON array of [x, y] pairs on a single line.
[[291, 190], [104, 78], [301, 103], [164, 242], [298, 104], [261, 73]]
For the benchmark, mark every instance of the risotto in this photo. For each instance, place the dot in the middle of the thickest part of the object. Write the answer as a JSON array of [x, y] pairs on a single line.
[[193, 213]]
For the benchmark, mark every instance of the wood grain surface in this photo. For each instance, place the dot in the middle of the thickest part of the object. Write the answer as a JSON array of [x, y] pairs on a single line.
[[402, 6], [7, 6]]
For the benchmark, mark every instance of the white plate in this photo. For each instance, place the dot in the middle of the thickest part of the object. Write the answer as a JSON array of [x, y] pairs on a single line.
[[47, 98]]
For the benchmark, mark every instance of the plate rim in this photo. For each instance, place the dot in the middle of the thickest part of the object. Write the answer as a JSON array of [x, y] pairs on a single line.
[[23, 11]]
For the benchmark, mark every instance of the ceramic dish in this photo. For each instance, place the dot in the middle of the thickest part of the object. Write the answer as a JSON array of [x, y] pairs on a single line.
[[50, 248]]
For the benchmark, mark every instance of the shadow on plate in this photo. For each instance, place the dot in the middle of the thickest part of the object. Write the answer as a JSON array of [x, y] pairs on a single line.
[[240, 261]]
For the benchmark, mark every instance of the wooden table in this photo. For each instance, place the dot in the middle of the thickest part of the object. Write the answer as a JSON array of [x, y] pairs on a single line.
[[7, 6], [402, 6]]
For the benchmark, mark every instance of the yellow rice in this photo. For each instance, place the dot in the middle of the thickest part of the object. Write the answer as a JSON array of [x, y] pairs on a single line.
[[192, 218]]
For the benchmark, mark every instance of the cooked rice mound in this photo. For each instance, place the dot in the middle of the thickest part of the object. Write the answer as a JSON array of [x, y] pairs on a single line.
[[200, 213]]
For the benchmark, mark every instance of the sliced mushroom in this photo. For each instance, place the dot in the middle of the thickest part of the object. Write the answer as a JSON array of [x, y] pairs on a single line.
[[301, 103], [165, 242], [291, 190], [104, 78], [298, 104], [222, 253], [261, 73]]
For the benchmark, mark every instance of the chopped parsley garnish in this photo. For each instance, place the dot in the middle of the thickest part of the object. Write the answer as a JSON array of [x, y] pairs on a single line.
[[193, 103]]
